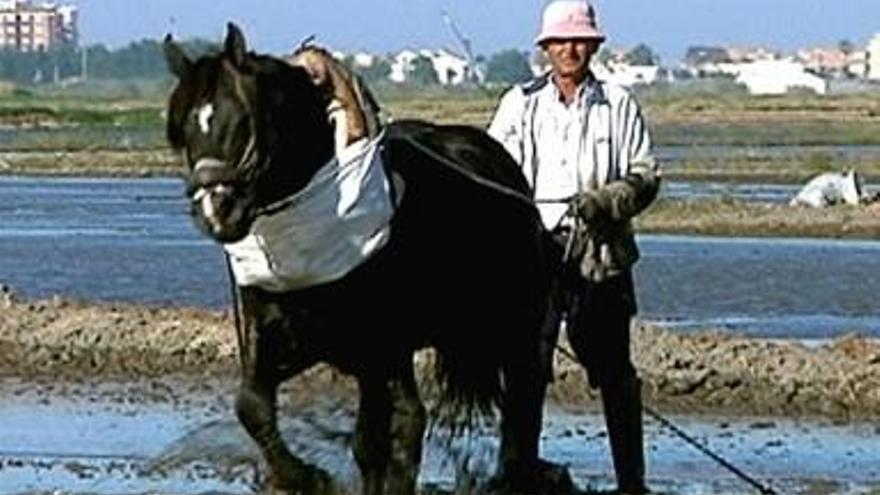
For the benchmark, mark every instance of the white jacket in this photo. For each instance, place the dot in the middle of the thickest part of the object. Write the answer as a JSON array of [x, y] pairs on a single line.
[[613, 161]]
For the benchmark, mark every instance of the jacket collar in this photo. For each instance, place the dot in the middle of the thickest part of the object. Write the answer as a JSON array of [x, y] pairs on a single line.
[[590, 92]]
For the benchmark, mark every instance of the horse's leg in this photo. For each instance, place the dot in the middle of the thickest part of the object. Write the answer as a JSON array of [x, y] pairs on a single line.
[[388, 434], [520, 470], [271, 355], [372, 435], [521, 417], [408, 420]]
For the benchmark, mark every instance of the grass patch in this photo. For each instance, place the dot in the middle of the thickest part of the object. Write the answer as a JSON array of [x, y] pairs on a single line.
[[732, 217]]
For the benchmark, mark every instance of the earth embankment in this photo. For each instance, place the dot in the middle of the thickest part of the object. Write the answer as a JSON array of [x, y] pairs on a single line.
[[701, 372]]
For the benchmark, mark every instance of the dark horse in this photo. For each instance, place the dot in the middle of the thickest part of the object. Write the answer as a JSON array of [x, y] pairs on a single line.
[[464, 270]]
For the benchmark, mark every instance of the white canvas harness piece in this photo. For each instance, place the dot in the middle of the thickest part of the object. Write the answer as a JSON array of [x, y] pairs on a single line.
[[339, 220]]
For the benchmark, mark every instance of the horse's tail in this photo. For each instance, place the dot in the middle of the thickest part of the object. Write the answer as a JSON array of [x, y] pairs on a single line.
[[469, 387]]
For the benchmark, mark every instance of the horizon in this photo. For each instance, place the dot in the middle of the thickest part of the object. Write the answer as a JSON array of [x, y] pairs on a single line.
[[276, 26]]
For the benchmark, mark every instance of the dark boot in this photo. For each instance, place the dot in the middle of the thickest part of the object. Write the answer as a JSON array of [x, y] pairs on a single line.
[[623, 416]]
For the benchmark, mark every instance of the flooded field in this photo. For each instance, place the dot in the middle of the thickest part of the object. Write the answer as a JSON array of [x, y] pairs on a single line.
[[133, 240], [177, 435]]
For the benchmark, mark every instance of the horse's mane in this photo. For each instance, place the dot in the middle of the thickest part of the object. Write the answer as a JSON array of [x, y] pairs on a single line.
[[353, 107]]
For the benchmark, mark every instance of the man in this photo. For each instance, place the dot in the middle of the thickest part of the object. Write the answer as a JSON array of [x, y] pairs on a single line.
[[584, 147]]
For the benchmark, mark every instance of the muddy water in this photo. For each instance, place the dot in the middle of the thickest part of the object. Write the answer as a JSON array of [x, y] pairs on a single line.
[[179, 436], [132, 240]]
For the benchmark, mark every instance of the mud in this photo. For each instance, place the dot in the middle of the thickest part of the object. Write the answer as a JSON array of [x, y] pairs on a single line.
[[117, 399], [695, 372]]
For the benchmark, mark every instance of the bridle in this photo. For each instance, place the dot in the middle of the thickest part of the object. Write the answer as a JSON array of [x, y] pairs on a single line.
[[247, 161]]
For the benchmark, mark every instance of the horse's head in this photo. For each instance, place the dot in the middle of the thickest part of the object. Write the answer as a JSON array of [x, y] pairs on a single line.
[[251, 129]]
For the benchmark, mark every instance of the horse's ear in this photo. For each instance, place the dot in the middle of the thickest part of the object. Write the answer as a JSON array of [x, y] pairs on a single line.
[[179, 64], [235, 45]]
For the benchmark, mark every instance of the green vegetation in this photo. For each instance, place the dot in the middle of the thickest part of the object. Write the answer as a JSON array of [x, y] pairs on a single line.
[[717, 135], [731, 217], [140, 59]]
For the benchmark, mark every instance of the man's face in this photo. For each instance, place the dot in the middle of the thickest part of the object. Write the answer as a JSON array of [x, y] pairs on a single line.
[[570, 57]]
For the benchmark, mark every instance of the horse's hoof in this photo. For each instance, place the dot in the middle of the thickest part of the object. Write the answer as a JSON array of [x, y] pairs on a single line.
[[554, 479], [544, 478], [314, 481]]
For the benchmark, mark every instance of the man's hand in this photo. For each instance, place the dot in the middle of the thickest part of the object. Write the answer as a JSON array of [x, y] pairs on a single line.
[[586, 205]]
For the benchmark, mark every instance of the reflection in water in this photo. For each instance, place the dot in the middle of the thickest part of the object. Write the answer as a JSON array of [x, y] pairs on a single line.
[[132, 239]]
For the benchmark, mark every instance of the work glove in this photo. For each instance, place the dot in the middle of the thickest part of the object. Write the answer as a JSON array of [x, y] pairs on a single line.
[[587, 206]]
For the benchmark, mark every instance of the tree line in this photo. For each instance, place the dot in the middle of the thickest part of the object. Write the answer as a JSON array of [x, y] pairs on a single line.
[[144, 59], [138, 60]]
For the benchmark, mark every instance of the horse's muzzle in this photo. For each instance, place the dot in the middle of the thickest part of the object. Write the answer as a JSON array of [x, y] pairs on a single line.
[[217, 201]]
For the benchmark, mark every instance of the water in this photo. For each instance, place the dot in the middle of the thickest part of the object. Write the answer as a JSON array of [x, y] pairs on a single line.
[[106, 239], [106, 438], [133, 240], [792, 288]]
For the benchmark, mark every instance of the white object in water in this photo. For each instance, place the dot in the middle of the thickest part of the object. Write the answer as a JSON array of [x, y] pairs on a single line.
[[830, 189]]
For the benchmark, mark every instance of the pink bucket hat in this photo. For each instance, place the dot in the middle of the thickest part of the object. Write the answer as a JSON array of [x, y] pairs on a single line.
[[569, 19]]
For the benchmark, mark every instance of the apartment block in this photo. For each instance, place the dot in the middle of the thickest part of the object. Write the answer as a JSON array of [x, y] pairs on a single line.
[[30, 27]]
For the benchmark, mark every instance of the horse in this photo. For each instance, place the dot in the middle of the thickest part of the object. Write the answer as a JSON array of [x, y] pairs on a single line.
[[460, 266], [353, 108]]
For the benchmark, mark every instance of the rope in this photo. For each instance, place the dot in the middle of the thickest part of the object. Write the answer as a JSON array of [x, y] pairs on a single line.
[[762, 488], [470, 175], [236, 303], [236, 311]]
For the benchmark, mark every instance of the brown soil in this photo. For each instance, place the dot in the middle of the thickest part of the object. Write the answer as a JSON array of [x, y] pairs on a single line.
[[98, 163], [705, 372]]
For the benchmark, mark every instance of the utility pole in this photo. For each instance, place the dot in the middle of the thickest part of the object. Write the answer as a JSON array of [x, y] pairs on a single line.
[[84, 62]]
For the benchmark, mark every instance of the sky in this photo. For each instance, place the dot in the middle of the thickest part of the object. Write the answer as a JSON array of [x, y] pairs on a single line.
[[384, 26]]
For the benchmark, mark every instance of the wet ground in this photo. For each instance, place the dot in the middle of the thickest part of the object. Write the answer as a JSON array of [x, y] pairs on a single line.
[[177, 435], [85, 435]]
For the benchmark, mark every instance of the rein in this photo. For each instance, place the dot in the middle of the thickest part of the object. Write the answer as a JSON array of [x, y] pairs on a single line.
[[237, 310], [507, 191], [762, 488]]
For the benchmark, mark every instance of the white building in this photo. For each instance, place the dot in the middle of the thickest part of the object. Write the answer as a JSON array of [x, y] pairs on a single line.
[[626, 75], [26, 26], [873, 58], [401, 64], [451, 69], [773, 77], [363, 59]]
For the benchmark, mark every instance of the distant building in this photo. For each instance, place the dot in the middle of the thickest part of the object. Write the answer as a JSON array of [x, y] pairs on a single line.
[[29, 27], [873, 59], [703, 61], [773, 77], [626, 75], [401, 65], [857, 63], [698, 56], [745, 54], [451, 69], [833, 61], [363, 59]]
